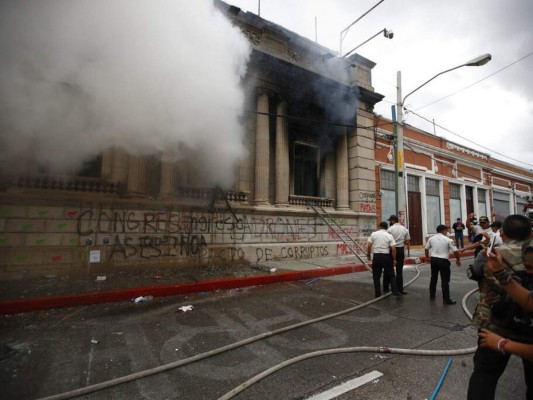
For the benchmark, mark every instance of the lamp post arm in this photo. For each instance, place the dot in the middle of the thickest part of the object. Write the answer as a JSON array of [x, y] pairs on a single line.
[[366, 41], [429, 80], [345, 31]]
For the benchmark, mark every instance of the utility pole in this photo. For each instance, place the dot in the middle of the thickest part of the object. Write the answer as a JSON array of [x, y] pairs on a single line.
[[401, 193]]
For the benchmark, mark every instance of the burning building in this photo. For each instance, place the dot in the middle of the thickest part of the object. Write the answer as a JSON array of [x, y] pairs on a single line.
[[282, 138]]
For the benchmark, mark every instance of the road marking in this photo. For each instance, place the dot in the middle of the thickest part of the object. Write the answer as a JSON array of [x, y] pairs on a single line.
[[347, 386]]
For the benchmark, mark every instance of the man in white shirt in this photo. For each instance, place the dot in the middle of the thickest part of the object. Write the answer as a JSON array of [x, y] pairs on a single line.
[[402, 238], [440, 246], [383, 259]]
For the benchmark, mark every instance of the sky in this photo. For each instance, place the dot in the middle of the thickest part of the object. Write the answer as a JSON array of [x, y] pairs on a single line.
[[487, 108]]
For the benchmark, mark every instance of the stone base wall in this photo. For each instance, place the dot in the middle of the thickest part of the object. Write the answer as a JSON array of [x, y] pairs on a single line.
[[80, 237]]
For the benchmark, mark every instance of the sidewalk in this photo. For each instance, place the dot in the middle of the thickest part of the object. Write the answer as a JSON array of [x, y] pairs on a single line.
[[69, 291]]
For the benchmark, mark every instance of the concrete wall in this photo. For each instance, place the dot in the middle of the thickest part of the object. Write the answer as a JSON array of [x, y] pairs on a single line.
[[92, 237]]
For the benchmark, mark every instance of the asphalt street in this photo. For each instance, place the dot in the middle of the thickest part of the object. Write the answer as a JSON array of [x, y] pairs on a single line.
[[57, 351]]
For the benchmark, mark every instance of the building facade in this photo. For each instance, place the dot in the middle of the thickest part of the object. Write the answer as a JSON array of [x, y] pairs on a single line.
[[446, 181], [310, 139]]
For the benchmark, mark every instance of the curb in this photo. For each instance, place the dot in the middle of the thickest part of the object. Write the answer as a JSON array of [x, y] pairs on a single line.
[[73, 300], [82, 299]]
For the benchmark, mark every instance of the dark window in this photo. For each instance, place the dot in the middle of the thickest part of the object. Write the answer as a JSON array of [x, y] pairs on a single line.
[[306, 170], [92, 168], [481, 195]]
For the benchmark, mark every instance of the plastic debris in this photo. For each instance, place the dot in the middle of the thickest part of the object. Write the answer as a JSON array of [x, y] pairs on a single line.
[[142, 299], [312, 281], [157, 277], [94, 341], [185, 308], [272, 270], [100, 278]]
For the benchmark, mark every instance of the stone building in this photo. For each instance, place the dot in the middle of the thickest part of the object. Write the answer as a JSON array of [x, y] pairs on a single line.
[[311, 142]]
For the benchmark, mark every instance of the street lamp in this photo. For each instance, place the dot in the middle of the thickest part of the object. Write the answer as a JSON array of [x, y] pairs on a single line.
[[401, 192]]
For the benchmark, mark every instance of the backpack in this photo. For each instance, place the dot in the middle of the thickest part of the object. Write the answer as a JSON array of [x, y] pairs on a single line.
[[475, 271]]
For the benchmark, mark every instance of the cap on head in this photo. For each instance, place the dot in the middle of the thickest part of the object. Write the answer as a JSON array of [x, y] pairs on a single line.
[[393, 218], [496, 224], [441, 228], [483, 219], [383, 224]]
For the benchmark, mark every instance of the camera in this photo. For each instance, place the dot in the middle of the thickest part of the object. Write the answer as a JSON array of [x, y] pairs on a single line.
[[474, 221]]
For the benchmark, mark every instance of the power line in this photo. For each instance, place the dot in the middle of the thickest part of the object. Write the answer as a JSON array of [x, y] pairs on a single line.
[[468, 140], [475, 83]]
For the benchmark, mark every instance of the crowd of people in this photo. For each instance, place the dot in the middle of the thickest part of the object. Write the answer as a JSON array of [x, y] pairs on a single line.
[[503, 268]]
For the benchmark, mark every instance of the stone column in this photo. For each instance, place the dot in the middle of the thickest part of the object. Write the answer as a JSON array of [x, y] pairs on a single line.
[[362, 166], [282, 156], [136, 177], [331, 176], [167, 187], [119, 170], [342, 173], [107, 164], [262, 151]]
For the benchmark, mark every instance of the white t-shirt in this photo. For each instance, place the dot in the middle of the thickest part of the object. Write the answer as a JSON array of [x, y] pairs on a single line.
[[440, 246], [381, 241], [400, 234]]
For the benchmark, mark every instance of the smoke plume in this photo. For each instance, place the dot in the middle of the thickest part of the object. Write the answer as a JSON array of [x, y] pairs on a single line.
[[147, 76]]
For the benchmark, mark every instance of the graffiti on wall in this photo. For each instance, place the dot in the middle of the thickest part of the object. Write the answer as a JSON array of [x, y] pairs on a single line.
[[276, 228], [175, 235], [149, 235]]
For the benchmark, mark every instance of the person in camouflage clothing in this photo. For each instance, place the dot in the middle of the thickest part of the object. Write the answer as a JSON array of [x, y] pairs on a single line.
[[519, 294], [493, 313]]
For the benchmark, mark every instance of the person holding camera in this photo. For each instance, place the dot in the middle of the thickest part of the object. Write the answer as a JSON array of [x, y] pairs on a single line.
[[479, 231], [497, 315]]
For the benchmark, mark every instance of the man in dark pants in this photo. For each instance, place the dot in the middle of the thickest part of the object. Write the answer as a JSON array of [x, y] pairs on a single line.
[[402, 238], [440, 246], [383, 244]]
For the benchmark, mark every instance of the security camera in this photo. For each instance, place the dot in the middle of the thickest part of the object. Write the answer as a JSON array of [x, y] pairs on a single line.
[[388, 34]]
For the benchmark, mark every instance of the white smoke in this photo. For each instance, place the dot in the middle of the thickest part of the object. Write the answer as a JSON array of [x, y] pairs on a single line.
[[79, 77]]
